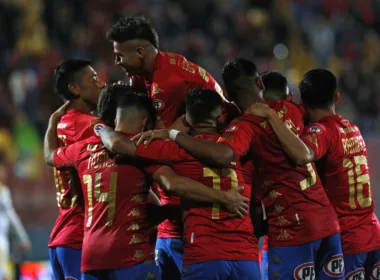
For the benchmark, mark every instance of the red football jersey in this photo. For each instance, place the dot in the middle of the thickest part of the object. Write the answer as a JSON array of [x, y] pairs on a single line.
[[342, 164], [68, 229], [174, 77], [116, 201], [297, 208], [209, 231]]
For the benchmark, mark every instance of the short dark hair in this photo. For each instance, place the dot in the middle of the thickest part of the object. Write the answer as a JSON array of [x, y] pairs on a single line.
[[273, 80], [128, 97], [66, 73], [318, 88], [133, 27], [233, 70], [202, 103], [107, 104]]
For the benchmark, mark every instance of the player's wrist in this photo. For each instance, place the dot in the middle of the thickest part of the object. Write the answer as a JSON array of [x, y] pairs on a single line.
[[173, 133], [271, 115]]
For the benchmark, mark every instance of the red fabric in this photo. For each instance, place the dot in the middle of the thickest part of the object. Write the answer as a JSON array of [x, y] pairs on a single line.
[[174, 77], [297, 207], [116, 201], [343, 167], [209, 231], [68, 229]]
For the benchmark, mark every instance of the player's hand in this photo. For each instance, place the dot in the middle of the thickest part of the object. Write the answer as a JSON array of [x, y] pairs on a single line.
[[148, 136], [260, 110], [236, 203], [57, 115]]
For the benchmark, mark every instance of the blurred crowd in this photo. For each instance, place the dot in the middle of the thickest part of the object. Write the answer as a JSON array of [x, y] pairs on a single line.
[[290, 36]]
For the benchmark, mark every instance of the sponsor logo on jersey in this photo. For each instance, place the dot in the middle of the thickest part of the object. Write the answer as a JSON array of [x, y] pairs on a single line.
[[335, 266], [305, 271], [357, 274], [158, 104], [315, 129], [375, 272], [98, 127], [231, 129]]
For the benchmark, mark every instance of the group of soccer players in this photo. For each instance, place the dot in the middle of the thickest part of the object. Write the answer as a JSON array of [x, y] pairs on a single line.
[[213, 175]]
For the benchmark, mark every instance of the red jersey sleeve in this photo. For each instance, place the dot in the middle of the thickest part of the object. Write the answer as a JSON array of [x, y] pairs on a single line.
[[67, 156], [318, 139], [238, 136], [163, 151]]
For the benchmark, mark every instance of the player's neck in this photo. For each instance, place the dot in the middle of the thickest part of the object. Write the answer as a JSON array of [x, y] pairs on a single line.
[[82, 106], [204, 129], [317, 114], [245, 101], [132, 129], [150, 64]]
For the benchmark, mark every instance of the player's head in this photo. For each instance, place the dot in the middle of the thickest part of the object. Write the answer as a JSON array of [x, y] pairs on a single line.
[[133, 39], [276, 86], [135, 111], [318, 89], [241, 79], [107, 104], [203, 106], [75, 78]]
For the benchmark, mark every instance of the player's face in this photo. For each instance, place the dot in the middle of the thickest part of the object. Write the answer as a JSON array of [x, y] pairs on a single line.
[[129, 56], [90, 85]]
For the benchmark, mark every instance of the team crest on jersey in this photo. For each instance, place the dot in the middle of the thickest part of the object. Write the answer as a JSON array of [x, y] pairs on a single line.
[[376, 272], [158, 104], [357, 274], [335, 266], [98, 127], [231, 129], [305, 271], [315, 129]]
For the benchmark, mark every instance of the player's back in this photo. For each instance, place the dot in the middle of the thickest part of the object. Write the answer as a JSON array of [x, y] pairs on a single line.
[[68, 230], [210, 233], [298, 209], [116, 228], [345, 176]]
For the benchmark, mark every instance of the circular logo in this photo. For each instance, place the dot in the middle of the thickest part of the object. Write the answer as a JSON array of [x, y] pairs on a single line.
[[315, 129], [98, 127], [335, 266], [357, 274], [232, 128], [158, 104], [305, 271], [376, 272]]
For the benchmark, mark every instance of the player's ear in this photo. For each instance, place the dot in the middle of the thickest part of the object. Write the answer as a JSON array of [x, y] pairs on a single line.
[[74, 89], [338, 98], [260, 84], [140, 52]]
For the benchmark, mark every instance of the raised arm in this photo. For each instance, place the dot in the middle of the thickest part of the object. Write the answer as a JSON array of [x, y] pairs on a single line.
[[190, 189], [51, 138], [293, 146]]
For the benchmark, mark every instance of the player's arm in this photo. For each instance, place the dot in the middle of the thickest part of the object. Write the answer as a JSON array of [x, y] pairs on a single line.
[[14, 219], [190, 189], [51, 138], [293, 146], [117, 142]]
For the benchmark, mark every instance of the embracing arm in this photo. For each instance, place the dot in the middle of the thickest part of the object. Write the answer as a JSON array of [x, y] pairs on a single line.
[[51, 138], [206, 151], [299, 152], [117, 142], [190, 189]]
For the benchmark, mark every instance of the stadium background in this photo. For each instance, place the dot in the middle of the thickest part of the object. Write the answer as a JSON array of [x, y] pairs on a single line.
[[290, 36]]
